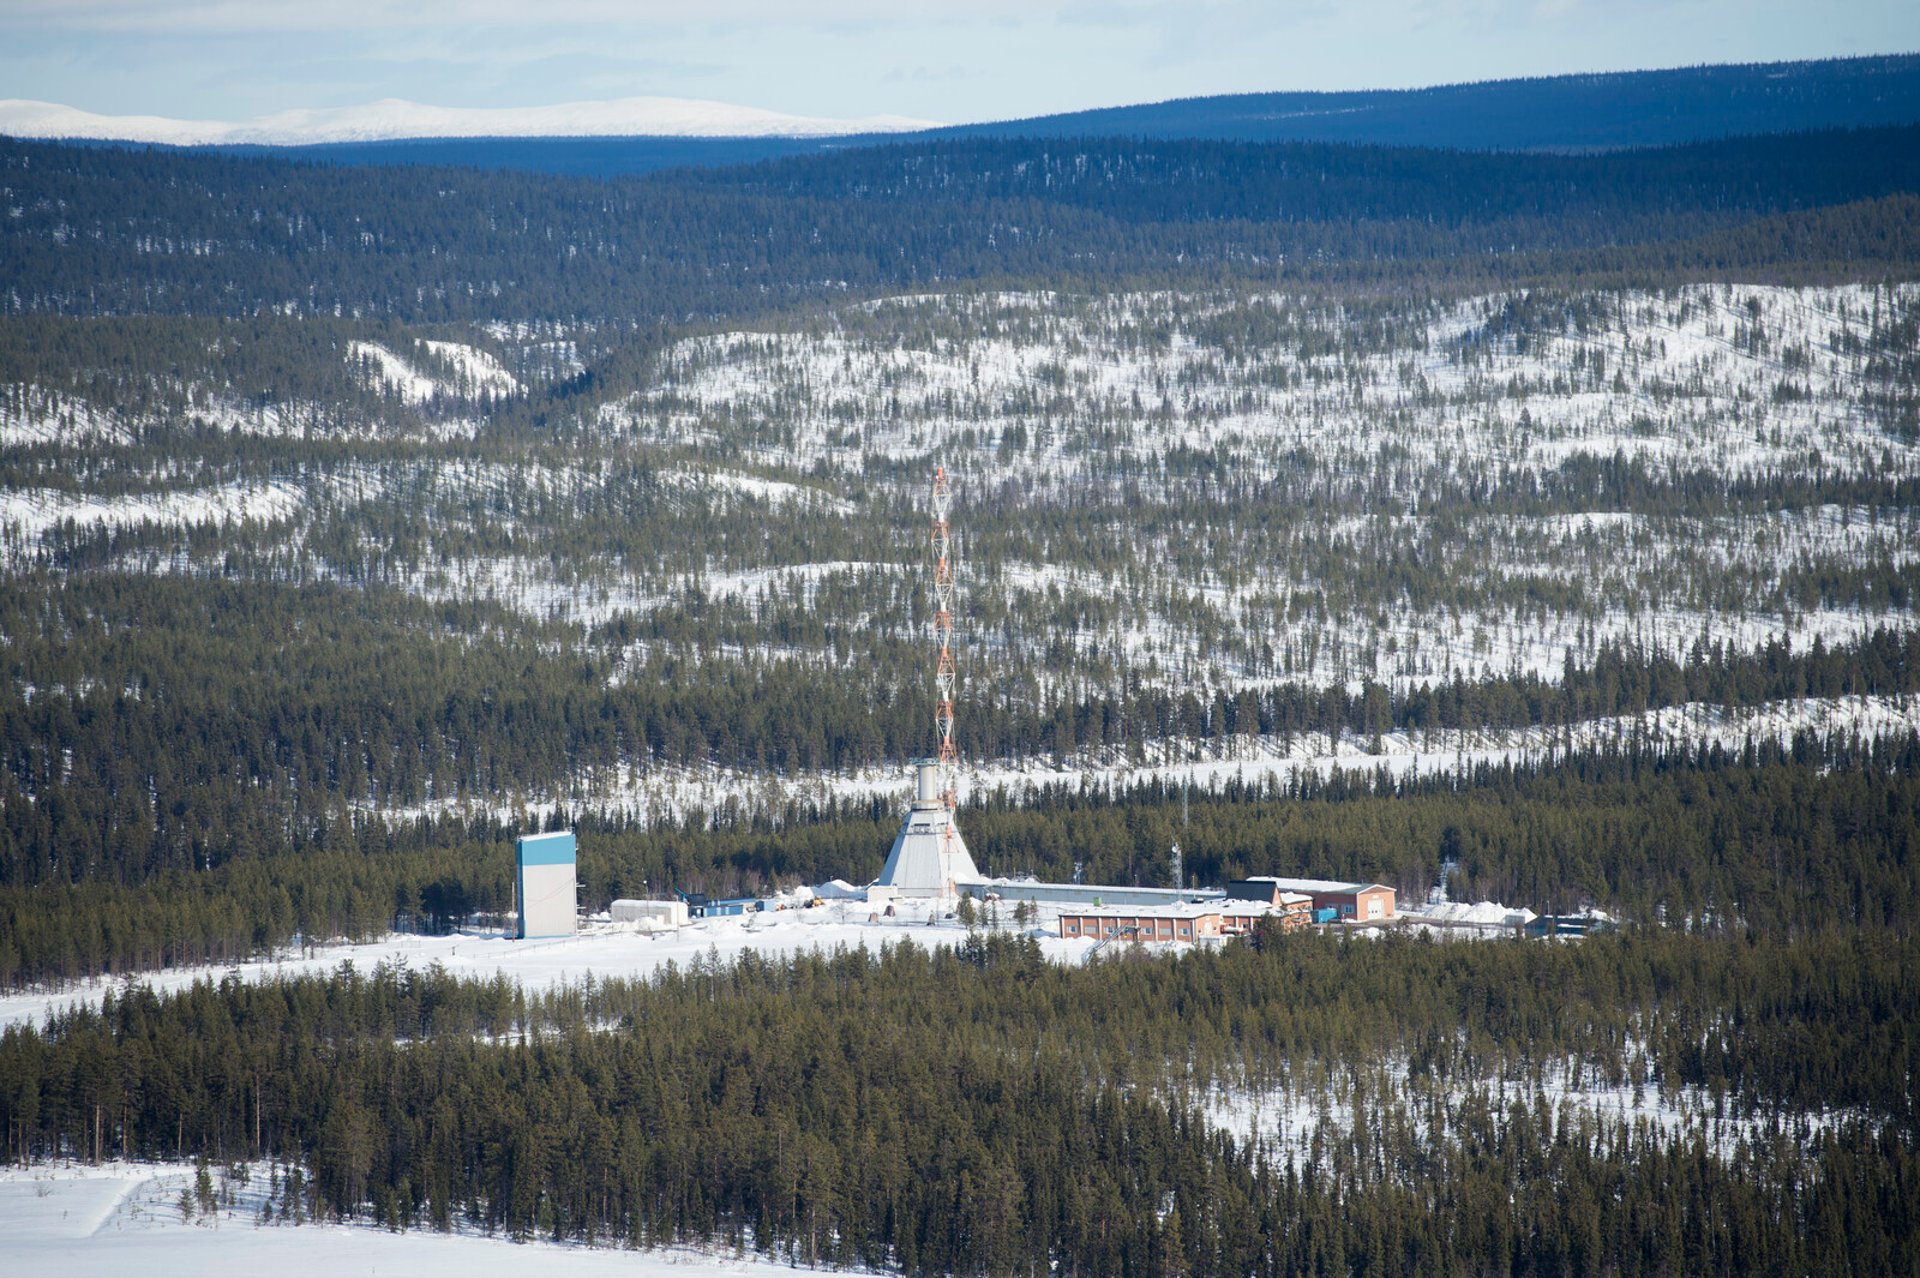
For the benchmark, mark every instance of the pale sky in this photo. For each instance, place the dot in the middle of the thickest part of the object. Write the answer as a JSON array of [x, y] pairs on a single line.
[[950, 62]]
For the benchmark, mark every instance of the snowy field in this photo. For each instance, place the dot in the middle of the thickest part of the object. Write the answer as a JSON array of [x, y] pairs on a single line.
[[602, 951], [125, 1218]]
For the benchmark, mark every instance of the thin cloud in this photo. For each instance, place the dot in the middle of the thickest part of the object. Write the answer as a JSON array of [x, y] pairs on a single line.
[[400, 15]]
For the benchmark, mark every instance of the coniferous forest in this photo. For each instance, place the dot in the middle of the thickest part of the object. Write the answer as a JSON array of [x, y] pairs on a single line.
[[1533, 528]]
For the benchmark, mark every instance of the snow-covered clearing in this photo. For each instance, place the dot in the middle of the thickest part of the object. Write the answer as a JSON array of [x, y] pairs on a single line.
[[775, 492], [465, 372], [119, 1218], [603, 950], [476, 372], [392, 374], [32, 415], [25, 514], [1323, 1103]]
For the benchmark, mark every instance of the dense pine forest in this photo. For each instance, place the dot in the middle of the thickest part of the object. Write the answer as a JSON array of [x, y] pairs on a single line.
[[1543, 527], [984, 1111]]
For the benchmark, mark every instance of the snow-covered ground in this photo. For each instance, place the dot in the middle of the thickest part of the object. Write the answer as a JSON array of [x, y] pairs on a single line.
[[392, 374], [1045, 398], [603, 950], [774, 492], [120, 1218], [27, 513], [475, 371], [1285, 1120], [1694, 377], [33, 415]]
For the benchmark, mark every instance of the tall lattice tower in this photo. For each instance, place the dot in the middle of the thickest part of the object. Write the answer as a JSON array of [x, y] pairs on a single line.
[[943, 671], [929, 858]]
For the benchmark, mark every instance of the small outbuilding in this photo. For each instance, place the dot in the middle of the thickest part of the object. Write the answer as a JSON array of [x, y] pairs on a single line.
[[701, 906], [661, 913]]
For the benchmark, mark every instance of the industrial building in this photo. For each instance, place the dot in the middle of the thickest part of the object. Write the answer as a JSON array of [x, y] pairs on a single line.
[[656, 913], [1183, 921], [1084, 894], [1167, 923], [1354, 902], [702, 906], [544, 884], [1293, 910]]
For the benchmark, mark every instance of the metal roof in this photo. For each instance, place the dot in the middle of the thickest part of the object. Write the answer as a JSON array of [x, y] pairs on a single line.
[[1313, 885], [1185, 910]]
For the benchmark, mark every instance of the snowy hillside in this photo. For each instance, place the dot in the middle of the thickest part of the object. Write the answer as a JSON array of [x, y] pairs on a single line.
[[1213, 495], [1047, 400]]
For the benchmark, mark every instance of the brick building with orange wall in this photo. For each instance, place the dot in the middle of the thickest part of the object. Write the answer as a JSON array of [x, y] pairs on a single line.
[[1166, 923], [1355, 902]]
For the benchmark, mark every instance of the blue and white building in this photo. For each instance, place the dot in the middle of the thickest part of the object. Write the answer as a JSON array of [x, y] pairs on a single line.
[[544, 884]]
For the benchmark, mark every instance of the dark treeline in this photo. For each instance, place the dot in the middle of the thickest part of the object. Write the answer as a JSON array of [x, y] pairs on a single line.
[[110, 231], [1820, 836], [982, 1111]]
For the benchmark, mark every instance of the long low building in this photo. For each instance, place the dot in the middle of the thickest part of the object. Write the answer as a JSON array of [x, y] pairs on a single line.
[[1185, 921], [1191, 921], [1361, 902], [1085, 894]]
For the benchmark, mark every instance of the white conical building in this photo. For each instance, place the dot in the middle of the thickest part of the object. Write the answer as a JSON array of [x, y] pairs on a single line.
[[929, 858]]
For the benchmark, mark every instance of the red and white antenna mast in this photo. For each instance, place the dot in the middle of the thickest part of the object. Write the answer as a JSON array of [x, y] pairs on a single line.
[[943, 671]]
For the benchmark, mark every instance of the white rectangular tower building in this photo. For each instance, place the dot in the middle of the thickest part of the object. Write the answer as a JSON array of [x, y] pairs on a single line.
[[544, 883]]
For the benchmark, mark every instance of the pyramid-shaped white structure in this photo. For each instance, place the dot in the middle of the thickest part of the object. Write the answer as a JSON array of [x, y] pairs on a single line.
[[929, 858]]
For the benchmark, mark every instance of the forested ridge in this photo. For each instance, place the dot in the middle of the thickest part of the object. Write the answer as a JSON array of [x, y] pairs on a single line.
[[126, 232]]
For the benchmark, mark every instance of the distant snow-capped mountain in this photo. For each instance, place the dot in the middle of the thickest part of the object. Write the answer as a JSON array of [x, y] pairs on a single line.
[[393, 118]]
